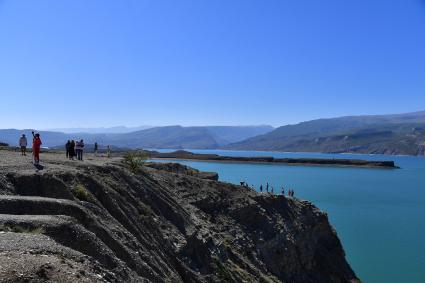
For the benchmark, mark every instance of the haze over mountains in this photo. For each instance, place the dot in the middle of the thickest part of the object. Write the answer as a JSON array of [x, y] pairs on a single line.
[[157, 137], [375, 134], [100, 130], [371, 134]]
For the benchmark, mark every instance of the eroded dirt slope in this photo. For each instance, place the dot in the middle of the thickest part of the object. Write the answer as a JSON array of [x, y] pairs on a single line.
[[95, 221]]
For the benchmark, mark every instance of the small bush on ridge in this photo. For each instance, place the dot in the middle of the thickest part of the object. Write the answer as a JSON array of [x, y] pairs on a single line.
[[134, 160]]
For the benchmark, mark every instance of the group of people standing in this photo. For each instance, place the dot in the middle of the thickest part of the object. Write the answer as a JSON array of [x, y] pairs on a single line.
[[74, 149], [36, 146], [270, 189], [290, 193]]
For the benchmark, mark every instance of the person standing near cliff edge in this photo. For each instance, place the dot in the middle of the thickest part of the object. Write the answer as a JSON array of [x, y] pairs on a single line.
[[36, 145], [72, 150], [68, 148], [23, 144], [79, 147]]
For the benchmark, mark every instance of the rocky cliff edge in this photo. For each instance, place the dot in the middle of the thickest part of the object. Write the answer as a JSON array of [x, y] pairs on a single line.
[[95, 221]]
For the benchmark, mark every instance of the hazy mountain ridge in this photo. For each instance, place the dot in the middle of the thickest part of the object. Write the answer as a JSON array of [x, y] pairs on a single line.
[[157, 137], [100, 130], [225, 135], [372, 134], [386, 134]]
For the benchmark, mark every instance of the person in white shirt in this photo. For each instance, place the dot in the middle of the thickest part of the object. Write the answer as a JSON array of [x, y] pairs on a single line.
[[23, 144], [79, 147]]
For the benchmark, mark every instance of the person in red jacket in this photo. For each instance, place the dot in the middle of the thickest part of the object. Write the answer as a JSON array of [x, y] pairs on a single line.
[[36, 144]]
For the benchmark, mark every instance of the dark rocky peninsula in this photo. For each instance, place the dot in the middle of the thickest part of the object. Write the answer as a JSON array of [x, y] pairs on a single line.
[[97, 221], [181, 154]]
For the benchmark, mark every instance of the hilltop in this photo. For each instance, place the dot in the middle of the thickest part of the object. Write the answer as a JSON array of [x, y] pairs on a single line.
[[95, 221]]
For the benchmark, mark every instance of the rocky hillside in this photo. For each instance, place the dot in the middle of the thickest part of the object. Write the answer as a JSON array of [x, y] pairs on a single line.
[[386, 134], [95, 221]]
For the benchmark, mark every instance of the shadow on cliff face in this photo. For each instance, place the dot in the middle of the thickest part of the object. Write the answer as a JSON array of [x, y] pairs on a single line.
[[40, 185], [167, 227]]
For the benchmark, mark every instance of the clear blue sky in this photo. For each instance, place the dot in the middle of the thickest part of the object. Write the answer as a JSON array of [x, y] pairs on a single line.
[[218, 62]]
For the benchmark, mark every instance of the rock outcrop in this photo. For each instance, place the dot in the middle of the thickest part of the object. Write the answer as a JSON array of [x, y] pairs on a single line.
[[95, 221], [182, 169]]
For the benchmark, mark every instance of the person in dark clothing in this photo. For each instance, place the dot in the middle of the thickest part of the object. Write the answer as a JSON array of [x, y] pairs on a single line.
[[68, 148], [96, 148], [261, 188], [72, 150]]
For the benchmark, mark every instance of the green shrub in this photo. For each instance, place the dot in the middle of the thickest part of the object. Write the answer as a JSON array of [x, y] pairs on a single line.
[[134, 160], [146, 215], [144, 209], [3, 146], [222, 272], [81, 193], [192, 171]]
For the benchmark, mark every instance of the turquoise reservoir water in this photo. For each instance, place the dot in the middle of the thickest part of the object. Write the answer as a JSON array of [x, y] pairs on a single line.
[[379, 214]]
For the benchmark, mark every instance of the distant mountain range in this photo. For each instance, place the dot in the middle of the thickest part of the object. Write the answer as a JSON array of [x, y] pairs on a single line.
[[379, 134], [188, 137], [174, 137], [100, 130], [373, 134]]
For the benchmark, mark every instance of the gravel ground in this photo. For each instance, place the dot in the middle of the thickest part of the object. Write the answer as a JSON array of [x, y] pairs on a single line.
[[49, 161], [37, 258], [29, 256]]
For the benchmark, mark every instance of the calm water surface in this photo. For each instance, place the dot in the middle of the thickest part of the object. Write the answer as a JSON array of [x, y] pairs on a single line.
[[379, 214]]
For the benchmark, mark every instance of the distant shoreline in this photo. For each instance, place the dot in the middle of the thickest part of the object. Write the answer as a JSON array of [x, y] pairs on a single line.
[[278, 163], [328, 162], [288, 152]]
